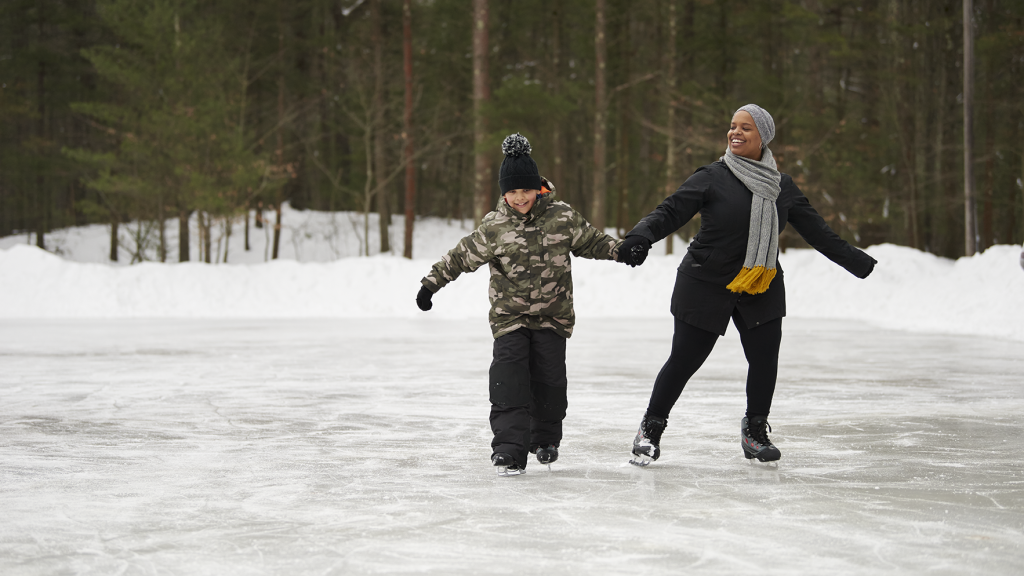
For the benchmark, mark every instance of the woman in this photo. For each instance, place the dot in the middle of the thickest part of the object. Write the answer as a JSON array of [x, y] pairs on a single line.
[[730, 271]]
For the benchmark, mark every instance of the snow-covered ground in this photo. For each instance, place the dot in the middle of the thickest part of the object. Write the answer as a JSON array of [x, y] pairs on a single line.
[[320, 274]]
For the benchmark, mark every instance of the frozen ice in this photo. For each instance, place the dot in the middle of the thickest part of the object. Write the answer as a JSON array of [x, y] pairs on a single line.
[[361, 446], [303, 417]]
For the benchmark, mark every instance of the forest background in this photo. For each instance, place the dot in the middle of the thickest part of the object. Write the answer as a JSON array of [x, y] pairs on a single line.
[[147, 111]]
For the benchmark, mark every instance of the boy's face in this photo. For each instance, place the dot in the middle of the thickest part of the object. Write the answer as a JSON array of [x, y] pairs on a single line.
[[521, 200]]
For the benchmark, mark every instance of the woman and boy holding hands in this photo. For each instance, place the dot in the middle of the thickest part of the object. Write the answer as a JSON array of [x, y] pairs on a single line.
[[729, 272]]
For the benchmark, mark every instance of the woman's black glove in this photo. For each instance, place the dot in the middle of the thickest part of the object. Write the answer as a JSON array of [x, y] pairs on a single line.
[[634, 250], [423, 299]]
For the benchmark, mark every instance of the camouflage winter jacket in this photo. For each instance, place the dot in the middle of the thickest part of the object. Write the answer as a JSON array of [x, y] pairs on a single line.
[[531, 279]]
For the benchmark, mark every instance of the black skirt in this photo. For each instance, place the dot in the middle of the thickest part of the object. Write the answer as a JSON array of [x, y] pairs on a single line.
[[709, 306]]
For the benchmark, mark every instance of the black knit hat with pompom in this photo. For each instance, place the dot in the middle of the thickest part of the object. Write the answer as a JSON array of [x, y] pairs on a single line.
[[517, 170]]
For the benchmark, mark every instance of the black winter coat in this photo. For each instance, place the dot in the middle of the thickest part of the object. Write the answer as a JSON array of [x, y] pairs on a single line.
[[717, 252]]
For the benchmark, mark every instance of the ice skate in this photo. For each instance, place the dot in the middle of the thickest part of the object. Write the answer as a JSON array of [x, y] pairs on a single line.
[[755, 442], [646, 443], [506, 465], [546, 454]]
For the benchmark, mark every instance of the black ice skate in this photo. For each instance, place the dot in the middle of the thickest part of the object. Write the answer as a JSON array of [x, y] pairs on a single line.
[[755, 442], [545, 454], [648, 437], [506, 465]]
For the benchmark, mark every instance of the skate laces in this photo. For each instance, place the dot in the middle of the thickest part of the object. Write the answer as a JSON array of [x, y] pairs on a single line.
[[652, 430], [760, 433]]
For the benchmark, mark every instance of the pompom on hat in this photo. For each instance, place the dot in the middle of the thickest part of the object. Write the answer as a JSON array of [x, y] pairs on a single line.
[[518, 170]]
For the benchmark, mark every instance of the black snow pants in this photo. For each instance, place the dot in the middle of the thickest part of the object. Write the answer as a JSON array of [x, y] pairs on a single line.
[[527, 390], [691, 346]]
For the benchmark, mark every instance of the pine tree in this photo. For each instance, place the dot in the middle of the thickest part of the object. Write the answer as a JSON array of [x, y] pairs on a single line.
[[180, 140]]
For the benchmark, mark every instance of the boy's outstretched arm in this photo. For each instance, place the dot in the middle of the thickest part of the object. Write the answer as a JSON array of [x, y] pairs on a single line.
[[470, 253], [589, 242]]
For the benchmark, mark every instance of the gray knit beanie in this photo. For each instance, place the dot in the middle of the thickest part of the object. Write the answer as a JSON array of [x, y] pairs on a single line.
[[763, 120], [518, 170]]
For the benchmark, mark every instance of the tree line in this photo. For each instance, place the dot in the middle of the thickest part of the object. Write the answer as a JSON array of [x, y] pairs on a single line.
[[117, 111]]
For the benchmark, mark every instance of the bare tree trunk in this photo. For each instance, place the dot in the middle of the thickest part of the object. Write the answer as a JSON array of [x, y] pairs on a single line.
[[481, 94], [1011, 222], [922, 103], [42, 193], [558, 171], [207, 223], [113, 238], [1017, 133], [383, 204], [199, 236], [597, 217], [162, 249], [279, 152], [932, 213], [691, 228], [381, 196], [183, 236], [970, 222], [368, 186], [227, 238], [670, 94], [410, 169], [987, 237], [623, 155], [247, 228], [220, 239], [277, 231], [903, 106]]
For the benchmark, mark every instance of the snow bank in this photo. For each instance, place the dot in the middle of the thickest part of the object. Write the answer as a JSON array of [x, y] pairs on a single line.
[[908, 290]]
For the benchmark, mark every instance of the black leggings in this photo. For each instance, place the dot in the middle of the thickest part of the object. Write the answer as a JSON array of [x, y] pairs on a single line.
[[691, 347]]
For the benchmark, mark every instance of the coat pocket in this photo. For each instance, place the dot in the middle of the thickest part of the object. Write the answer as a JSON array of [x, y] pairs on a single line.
[[700, 255]]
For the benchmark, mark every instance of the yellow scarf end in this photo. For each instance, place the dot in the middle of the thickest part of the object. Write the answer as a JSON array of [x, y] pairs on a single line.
[[752, 280]]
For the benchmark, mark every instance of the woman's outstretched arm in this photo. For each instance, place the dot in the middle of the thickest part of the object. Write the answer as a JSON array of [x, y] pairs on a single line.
[[676, 210], [812, 227]]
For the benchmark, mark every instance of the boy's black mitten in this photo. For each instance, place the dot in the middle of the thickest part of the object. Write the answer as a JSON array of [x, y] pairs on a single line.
[[423, 299], [634, 250]]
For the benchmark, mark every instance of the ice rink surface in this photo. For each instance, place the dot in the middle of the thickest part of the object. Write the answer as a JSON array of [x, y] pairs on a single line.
[[361, 447]]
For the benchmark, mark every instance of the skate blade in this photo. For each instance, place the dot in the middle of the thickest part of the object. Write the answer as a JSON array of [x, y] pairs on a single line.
[[640, 461], [756, 463], [510, 472]]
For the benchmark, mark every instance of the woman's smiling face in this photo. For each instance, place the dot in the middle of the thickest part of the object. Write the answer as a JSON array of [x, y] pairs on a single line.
[[744, 139], [521, 200]]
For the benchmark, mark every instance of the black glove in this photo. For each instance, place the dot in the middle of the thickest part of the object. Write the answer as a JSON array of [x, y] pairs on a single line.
[[423, 299], [634, 250]]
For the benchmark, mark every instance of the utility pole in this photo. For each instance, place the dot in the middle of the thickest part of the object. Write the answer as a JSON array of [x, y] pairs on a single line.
[[410, 169], [970, 219], [483, 182]]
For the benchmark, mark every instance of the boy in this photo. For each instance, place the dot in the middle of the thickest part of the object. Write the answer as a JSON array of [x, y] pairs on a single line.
[[526, 241]]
